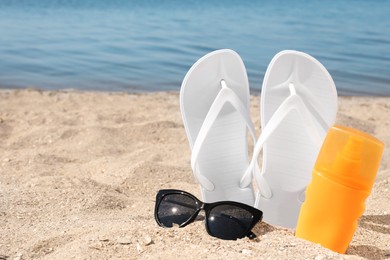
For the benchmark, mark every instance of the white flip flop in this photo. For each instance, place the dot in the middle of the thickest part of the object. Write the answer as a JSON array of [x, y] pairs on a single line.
[[298, 106], [214, 103]]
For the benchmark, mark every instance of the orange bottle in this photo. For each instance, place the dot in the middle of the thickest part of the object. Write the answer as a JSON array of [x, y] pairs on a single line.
[[342, 179]]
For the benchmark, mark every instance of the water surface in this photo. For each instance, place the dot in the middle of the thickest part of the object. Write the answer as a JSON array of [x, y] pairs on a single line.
[[149, 45]]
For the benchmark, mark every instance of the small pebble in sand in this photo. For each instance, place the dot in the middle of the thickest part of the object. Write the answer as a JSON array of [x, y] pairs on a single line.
[[124, 241]]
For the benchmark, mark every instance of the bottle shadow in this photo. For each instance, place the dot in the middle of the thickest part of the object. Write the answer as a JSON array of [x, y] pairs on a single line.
[[368, 252], [376, 223]]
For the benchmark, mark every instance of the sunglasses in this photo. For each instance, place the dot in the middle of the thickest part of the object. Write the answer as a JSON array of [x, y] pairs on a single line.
[[227, 220]]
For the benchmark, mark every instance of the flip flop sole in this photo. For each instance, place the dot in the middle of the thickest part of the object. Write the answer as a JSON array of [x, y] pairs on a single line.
[[290, 153], [223, 158]]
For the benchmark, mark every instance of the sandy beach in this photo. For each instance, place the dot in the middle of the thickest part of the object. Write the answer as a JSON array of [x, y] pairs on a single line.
[[79, 172]]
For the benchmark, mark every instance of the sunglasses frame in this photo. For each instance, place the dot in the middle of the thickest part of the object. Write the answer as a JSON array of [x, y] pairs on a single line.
[[207, 207]]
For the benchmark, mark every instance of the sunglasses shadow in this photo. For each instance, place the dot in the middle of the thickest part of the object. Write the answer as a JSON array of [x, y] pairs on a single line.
[[262, 228], [200, 217]]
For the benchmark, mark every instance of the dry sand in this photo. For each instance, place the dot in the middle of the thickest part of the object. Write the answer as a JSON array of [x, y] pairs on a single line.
[[79, 172]]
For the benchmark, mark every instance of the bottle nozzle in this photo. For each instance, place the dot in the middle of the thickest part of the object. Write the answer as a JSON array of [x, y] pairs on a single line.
[[350, 156], [352, 150]]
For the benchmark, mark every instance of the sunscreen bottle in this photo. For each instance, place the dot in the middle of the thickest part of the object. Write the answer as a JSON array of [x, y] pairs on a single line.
[[342, 179]]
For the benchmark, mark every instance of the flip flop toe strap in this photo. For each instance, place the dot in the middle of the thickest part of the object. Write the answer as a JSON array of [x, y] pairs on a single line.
[[293, 102], [225, 95]]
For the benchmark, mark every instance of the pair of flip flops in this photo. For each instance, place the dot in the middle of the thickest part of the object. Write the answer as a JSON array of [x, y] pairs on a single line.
[[298, 105]]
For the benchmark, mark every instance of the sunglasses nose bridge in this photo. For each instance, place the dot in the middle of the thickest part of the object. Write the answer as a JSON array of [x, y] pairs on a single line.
[[194, 214], [200, 206]]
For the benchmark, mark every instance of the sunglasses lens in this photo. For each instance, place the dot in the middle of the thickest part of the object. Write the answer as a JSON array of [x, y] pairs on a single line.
[[229, 222], [175, 209]]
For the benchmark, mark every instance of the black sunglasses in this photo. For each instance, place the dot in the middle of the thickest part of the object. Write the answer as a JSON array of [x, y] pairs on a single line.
[[227, 220]]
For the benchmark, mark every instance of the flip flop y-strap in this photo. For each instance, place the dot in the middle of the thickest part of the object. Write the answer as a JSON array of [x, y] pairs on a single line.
[[225, 95], [311, 101], [293, 102]]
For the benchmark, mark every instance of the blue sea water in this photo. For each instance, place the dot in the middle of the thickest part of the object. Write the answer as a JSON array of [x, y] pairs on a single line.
[[148, 45]]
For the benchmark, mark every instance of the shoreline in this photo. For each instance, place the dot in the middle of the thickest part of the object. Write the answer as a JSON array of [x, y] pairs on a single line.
[[79, 171], [135, 90]]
